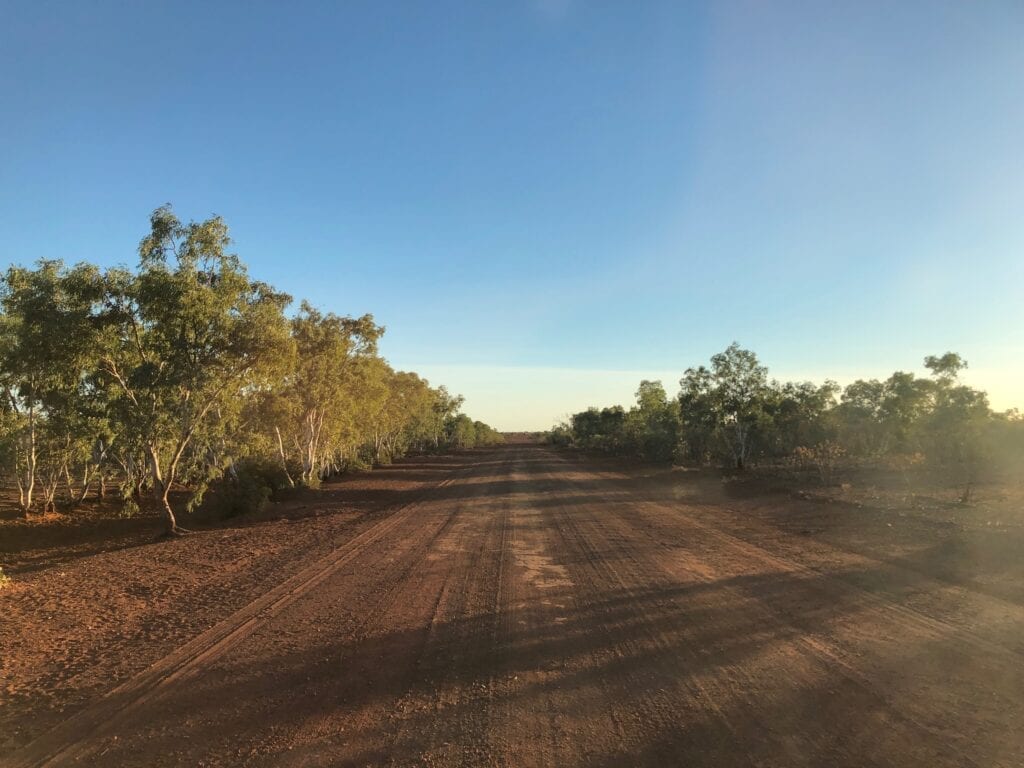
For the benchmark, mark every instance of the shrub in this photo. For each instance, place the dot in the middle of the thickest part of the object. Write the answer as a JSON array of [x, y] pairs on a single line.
[[129, 507], [560, 434], [245, 491], [823, 457]]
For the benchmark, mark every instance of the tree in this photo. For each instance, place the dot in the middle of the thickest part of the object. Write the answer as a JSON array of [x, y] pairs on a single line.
[[601, 430], [723, 406], [48, 333], [442, 410], [945, 368], [463, 432], [318, 395], [955, 428], [698, 414], [486, 434], [905, 400], [859, 417], [652, 427], [875, 418], [740, 387], [186, 335], [799, 415], [730, 409], [186, 373]]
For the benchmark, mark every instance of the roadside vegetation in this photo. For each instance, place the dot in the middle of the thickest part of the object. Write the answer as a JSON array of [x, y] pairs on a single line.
[[186, 376], [730, 413]]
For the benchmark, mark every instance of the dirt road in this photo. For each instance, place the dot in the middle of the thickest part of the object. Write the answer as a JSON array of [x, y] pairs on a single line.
[[533, 609]]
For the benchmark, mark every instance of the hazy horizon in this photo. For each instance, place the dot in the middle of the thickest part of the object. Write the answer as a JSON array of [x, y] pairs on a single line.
[[500, 395]]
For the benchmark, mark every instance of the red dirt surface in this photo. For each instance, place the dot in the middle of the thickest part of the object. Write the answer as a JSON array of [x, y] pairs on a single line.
[[521, 606]]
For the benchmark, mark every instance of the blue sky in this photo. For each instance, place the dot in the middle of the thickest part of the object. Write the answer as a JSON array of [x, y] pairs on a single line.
[[545, 201]]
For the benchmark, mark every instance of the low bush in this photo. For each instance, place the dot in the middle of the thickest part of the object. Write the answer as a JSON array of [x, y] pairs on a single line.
[[246, 490], [823, 457]]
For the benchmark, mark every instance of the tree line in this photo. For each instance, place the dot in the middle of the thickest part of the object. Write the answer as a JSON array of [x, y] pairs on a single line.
[[188, 374], [730, 412]]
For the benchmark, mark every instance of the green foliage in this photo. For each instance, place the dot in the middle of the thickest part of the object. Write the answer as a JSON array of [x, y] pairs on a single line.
[[185, 338], [245, 489], [601, 430], [798, 414], [486, 434], [651, 428], [726, 408], [314, 409], [52, 411], [953, 430], [560, 435], [461, 432], [731, 413], [129, 508], [186, 373]]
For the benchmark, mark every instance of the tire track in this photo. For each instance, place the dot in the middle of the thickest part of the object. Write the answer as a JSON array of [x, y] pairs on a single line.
[[439, 687], [814, 644], [633, 637], [932, 625], [528, 702], [536, 616], [411, 577], [62, 742]]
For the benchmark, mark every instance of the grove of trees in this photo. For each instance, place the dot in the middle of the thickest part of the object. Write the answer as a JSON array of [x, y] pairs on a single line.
[[730, 412], [186, 374]]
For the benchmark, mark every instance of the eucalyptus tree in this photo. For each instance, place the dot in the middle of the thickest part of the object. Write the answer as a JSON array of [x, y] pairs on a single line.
[[184, 336], [48, 337], [485, 434], [698, 414], [320, 395], [740, 387], [418, 402], [799, 414], [860, 418], [723, 407], [955, 427], [185, 371], [652, 426], [403, 416], [462, 431], [600, 429], [905, 401], [730, 409], [443, 408], [876, 418]]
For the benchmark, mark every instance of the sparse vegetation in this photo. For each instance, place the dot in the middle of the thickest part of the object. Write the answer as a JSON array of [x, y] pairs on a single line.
[[823, 458], [731, 413]]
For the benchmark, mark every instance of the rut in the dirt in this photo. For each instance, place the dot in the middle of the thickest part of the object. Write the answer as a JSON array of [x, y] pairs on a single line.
[[538, 609]]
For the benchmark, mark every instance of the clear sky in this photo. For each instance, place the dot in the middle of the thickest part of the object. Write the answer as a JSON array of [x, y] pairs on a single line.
[[545, 201]]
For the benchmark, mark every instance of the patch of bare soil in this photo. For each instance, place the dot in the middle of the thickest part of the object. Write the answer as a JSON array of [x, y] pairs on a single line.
[[94, 599], [531, 607], [918, 523]]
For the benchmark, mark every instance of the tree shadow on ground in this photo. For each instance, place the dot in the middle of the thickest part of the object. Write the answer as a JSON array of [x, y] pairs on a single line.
[[658, 656]]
